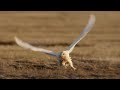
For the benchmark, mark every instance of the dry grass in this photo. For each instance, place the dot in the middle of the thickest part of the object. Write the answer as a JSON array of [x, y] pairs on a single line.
[[97, 56]]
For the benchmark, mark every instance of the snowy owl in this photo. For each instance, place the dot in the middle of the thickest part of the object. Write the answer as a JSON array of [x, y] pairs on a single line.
[[62, 57]]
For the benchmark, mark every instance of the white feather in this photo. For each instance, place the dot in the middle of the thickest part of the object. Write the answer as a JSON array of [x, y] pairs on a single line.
[[89, 26], [33, 48], [61, 55]]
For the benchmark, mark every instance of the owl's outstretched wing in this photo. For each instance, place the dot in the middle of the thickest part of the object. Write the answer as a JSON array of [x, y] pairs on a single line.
[[89, 26], [33, 48]]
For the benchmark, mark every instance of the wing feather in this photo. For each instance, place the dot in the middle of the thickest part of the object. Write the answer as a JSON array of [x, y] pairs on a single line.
[[33, 48], [89, 26]]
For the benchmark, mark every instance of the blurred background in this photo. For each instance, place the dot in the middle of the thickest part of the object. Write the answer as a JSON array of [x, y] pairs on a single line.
[[57, 30]]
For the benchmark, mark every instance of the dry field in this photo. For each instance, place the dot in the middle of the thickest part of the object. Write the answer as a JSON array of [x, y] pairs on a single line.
[[97, 56]]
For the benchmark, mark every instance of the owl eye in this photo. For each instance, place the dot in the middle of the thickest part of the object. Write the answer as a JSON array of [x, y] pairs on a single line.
[[63, 54]]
